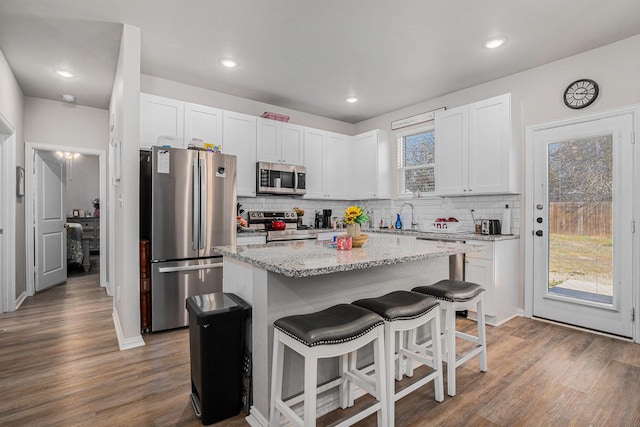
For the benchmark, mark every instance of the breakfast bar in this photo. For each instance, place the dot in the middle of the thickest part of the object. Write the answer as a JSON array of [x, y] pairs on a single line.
[[282, 279]]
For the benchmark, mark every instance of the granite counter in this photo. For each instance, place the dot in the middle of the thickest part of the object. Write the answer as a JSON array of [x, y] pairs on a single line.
[[281, 279]]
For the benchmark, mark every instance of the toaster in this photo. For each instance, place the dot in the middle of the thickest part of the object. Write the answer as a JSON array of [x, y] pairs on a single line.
[[490, 226]]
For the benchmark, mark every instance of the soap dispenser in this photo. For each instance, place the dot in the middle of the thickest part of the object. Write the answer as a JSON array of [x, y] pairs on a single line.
[[398, 222]]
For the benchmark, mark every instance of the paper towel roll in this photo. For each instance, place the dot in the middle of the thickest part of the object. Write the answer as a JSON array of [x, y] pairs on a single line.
[[505, 227]]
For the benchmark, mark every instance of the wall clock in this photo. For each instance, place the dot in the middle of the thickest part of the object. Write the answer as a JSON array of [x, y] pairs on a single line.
[[581, 93]]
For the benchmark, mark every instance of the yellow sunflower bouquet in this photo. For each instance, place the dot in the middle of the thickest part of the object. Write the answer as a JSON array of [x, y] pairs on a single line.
[[355, 215]]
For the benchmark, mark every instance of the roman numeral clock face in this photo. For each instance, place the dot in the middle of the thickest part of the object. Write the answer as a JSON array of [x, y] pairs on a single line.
[[581, 93]]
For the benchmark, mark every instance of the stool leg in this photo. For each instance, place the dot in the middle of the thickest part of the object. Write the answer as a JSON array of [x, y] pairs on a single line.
[[482, 334], [401, 358], [436, 348], [276, 378], [389, 358], [411, 346], [310, 389], [380, 347], [450, 344], [347, 362]]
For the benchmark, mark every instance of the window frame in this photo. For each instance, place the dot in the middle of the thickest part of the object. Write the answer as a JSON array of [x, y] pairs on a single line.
[[399, 149]]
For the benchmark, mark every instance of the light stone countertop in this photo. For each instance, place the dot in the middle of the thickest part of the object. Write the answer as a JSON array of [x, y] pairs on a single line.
[[314, 257], [446, 236]]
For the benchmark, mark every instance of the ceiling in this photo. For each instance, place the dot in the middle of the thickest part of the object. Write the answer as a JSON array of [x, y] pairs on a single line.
[[303, 55]]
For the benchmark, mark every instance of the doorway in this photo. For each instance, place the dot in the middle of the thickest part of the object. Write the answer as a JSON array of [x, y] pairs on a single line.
[[8, 200], [85, 209], [582, 211]]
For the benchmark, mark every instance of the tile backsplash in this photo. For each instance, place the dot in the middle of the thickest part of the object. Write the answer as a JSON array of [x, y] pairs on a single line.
[[425, 210]]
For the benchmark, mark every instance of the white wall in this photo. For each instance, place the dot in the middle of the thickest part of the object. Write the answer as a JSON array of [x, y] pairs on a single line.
[[536, 97], [83, 183], [171, 89], [125, 107], [12, 109], [62, 124]]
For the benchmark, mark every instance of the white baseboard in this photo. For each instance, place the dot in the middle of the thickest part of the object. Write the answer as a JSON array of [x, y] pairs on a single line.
[[128, 343], [20, 300], [520, 313]]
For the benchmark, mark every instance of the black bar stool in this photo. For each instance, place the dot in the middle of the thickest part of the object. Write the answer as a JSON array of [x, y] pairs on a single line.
[[406, 311], [338, 331], [458, 295]]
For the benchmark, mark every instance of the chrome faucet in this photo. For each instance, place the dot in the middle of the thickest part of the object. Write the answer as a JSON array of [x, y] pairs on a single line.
[[413, 223]]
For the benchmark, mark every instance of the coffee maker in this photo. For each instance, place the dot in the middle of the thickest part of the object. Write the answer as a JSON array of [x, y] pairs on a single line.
[[326, 218]]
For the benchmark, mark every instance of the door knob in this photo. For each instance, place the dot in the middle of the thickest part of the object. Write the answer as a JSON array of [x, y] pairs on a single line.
[[539, 233], [539, 220]]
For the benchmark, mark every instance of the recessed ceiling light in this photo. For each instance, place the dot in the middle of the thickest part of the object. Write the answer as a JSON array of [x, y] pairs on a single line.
[[68, 98], [351, 99], [229, 63], [494, 43], [65, 74]]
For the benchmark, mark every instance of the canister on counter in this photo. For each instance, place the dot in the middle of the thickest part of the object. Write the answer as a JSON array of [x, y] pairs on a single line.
[[344, 243]]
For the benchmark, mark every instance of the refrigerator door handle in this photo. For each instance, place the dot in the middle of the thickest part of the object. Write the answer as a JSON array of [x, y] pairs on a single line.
[[194, 210], [189, 267], [203, 200]]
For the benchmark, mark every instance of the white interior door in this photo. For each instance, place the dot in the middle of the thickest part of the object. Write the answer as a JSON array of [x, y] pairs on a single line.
[[50, 232], [583, 213], [2, 200]]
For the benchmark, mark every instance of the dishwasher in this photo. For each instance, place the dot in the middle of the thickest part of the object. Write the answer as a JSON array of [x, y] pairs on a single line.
[[456, 265]]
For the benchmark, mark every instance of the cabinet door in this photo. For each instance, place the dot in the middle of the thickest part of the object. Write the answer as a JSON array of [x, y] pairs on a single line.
[[480, 271], [489, 142], [452, 135], [314, 146], [292, 144], [337, 166], [239, 132], [202, 125], [365, 165], [161, 121], [269, 140]]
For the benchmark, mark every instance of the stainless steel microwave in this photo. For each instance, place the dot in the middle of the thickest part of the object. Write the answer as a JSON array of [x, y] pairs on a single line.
[[276, 178]]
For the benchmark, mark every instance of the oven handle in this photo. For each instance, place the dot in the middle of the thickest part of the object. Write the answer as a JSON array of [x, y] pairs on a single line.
[[189, 267]]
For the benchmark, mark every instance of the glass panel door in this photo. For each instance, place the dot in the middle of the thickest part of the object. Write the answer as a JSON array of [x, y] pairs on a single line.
[[583, 224]]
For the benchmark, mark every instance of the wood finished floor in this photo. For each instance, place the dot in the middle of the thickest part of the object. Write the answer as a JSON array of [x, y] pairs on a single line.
[[60, 366]]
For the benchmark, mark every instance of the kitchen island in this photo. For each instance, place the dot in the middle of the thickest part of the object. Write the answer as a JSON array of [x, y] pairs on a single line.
[[282, 279]]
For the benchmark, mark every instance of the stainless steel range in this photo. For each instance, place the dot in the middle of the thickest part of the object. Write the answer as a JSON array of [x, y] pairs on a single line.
[[270, 221]]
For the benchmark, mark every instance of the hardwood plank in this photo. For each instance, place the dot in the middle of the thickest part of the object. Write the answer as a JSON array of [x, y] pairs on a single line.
[[60, 365]]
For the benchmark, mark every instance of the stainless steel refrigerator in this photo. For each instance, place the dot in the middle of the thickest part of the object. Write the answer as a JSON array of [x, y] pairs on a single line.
[[187, 207]]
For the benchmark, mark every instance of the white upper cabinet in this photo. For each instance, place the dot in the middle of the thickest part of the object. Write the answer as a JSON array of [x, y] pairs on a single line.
[[292, 144], [202, 125], [314, 146], [280, 142], [337, 166], [165, 121], [327, 159], [371, 172], [161, 121], [239, 136], [452, 161], [474, 151]]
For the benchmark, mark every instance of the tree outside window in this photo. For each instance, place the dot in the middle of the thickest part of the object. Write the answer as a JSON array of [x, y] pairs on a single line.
[[416, 163]]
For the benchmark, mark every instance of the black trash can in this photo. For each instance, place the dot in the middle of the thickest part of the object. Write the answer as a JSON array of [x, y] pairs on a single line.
[[216, 340]]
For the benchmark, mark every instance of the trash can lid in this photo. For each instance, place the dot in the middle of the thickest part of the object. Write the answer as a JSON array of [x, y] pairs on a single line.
[[207, 305]]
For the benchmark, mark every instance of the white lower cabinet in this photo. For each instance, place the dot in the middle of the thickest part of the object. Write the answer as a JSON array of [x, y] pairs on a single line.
[[495, 268]]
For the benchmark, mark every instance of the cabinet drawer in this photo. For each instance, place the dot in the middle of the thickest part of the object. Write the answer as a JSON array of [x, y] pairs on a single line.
[[486, 253]]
